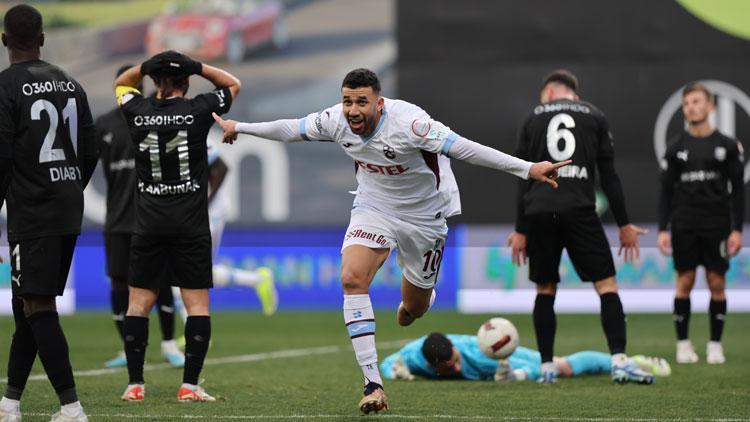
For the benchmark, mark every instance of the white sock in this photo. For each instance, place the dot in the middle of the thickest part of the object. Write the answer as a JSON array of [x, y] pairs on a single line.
[[71, 409], [360, 322], [9, 404], [225, 275], [619, 359], [190, 387]]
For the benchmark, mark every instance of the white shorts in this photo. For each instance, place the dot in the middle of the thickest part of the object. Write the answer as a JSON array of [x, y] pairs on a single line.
[[420, 246]]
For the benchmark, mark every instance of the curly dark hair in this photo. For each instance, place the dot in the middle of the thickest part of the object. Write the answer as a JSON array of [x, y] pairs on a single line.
[[362, 78]]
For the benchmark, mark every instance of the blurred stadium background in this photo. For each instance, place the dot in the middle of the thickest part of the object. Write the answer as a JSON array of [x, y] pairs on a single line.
[[475, 65]]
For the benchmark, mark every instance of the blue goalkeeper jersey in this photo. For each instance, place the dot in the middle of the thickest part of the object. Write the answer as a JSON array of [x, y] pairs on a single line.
[[474, 364]]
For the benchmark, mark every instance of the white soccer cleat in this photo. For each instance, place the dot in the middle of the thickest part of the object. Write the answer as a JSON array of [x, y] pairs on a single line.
[[10, 410], [686, 352], [70, 413], [195, 393], [715, 353]]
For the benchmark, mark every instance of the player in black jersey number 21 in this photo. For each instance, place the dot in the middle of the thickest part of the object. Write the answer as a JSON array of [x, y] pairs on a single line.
[[560, 128], [171, 242], [705, 213], [47, 155]]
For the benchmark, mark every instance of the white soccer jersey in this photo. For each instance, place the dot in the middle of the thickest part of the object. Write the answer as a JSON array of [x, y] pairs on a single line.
[[402, 169]]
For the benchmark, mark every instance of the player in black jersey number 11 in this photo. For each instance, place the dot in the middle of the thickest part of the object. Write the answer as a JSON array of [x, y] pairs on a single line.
[[171, 241]]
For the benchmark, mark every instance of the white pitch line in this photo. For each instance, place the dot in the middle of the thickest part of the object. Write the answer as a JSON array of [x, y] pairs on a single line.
[[397, 416], [253, 357]]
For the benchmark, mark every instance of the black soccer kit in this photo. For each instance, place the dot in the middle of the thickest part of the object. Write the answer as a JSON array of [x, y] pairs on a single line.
[[117, 154], [703, 197], [46, 124], [553, 219], [171, 243]]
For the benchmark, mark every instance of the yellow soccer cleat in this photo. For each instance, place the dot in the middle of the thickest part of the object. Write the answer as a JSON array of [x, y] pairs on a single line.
[[266, 291]]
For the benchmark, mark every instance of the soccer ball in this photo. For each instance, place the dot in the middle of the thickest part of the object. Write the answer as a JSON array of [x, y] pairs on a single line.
[[498, 338]]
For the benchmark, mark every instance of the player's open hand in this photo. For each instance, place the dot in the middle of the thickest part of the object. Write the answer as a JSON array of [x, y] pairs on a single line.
[[629, 241], [664, 243], [228, 126], [734, 243], [547, 172], [517, 243]]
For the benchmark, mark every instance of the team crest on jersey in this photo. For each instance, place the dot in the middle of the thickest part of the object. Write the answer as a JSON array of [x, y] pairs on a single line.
[[429, 129], [389, 152], [720, 153]]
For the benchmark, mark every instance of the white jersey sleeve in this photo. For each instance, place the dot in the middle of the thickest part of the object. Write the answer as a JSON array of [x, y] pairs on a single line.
[[321, 126]]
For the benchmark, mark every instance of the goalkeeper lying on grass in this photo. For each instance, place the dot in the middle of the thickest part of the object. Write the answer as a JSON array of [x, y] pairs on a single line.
[[459, 357]]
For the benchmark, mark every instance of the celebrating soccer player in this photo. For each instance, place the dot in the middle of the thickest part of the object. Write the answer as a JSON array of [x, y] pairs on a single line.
[[703, 197], [564, 128], [406, 191], [171, 242], [48, 152]]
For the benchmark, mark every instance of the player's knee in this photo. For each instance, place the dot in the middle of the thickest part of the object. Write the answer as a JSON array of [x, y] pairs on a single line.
[[139, 304], [608, 285], [546, 288], [716, 284], [35, 304], [416, 309], [354, 281], [684, 285]]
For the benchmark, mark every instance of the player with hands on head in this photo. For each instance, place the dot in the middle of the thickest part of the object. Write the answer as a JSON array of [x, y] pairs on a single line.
[[171, 242]]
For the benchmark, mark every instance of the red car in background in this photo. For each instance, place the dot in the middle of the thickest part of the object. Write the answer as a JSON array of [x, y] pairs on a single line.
[[214, 29]]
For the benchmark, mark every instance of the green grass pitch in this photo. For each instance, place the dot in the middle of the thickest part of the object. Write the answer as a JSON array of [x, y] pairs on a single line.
[[324, 383]]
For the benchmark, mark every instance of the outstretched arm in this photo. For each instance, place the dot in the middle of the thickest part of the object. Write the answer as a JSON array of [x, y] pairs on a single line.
[[481, 155], [285, 130]]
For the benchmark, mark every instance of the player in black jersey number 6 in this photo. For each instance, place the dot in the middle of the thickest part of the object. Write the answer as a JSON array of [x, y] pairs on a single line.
[[47, 155], [706, 215], [563, 127], [171, 242]]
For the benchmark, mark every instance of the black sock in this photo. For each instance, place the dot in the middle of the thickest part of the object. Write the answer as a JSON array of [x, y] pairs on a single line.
[[136, 340], [717, 311], [165, 306], [545, 325], [22, 353], [681, 317], [197, 336], [613, 322], [119, 301], [53, 352]]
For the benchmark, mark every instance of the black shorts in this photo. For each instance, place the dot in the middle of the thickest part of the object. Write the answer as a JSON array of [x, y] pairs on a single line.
[[691, 248], [40, 266], [580, 232], [182, 261], [117, 248]]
